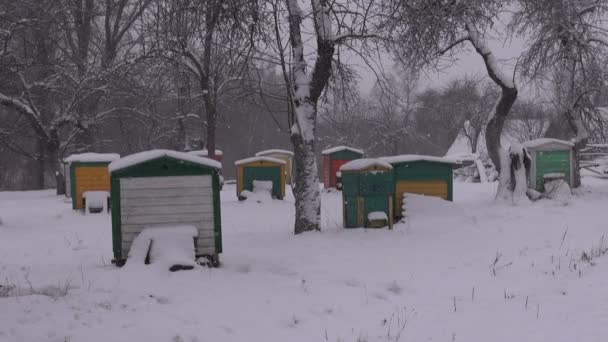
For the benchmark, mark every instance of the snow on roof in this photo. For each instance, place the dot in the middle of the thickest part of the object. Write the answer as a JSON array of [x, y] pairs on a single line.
[[204, 152], [364, 163], [273, 151], [417, 157], [257, 159], [141, 157], [544, 141], [341, 148], [91, 157]]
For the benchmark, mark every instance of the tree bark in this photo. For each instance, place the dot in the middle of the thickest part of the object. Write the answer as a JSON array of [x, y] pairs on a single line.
[[306, 192]]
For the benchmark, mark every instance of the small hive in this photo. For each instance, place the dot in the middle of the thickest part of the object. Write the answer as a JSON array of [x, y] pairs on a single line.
[[550, 159], [423, 175], [166, 189], [367, 193], [333, 159], [260, 169], [88, 172], [285, 155]]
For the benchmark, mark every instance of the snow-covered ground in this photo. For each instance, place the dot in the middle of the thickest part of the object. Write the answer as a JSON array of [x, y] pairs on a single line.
[[471, 270]]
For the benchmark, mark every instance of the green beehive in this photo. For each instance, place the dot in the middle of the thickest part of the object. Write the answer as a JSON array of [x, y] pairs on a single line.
[[550, 159], [367, 193]]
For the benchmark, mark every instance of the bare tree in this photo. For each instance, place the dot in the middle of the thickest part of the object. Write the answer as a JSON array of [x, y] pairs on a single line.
[[429, 33], [212, 40], [568, 43], [346, 24]]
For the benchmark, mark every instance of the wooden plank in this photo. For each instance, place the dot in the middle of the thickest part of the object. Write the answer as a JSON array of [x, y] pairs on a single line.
[[167, 201], [166, 182], [167, 209], [170, 193], [167, 219]]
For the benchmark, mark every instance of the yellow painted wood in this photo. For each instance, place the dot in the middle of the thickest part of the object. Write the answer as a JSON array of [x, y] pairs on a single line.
[[436, 188], [90, 178]]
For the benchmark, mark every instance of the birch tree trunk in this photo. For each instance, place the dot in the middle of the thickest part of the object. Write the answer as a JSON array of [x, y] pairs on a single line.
[[307, 90]]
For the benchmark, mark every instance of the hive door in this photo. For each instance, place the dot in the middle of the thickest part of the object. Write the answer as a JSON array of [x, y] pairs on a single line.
[[351, 207]]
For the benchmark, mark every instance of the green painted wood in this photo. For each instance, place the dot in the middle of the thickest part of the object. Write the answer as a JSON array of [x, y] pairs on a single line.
[[551, 162], [266, 173], [422, 170], [376, 203], [164, 166], [73, 167], [116, 221], [217, 214], [376, 183], [350, 183], [352, 211]]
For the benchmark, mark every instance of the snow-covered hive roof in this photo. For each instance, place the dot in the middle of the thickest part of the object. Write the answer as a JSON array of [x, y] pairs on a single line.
[[542, 142], [273, 151], [204, 152], [405, 158], [142, 157], [341, 148], [259, 159], [365, 164], [91, 157]]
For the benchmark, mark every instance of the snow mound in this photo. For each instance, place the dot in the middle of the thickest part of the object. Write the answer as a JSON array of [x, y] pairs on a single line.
[[341, 148], [273, 151], [558, 190], [417, 157], [164, 246], [91, 157], [364, 163], [258, 159], [544, 141], [96, 200], [205, 152], [145, 156], [377, 215], [432, 209]]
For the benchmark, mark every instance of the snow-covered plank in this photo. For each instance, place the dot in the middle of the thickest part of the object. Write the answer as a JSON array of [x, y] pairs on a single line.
[[145, 156], [91, 157], [365, 163], [273, 151], [341, 148], [166, 182], [417, 157], [259, 159]]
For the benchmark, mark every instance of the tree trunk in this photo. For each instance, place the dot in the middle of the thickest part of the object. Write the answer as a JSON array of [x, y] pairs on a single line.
[[38, 183], [306, 190], [497, 123]]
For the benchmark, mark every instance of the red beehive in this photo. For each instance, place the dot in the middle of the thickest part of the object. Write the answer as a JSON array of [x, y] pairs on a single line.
[[335, 157], [205, 153]]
